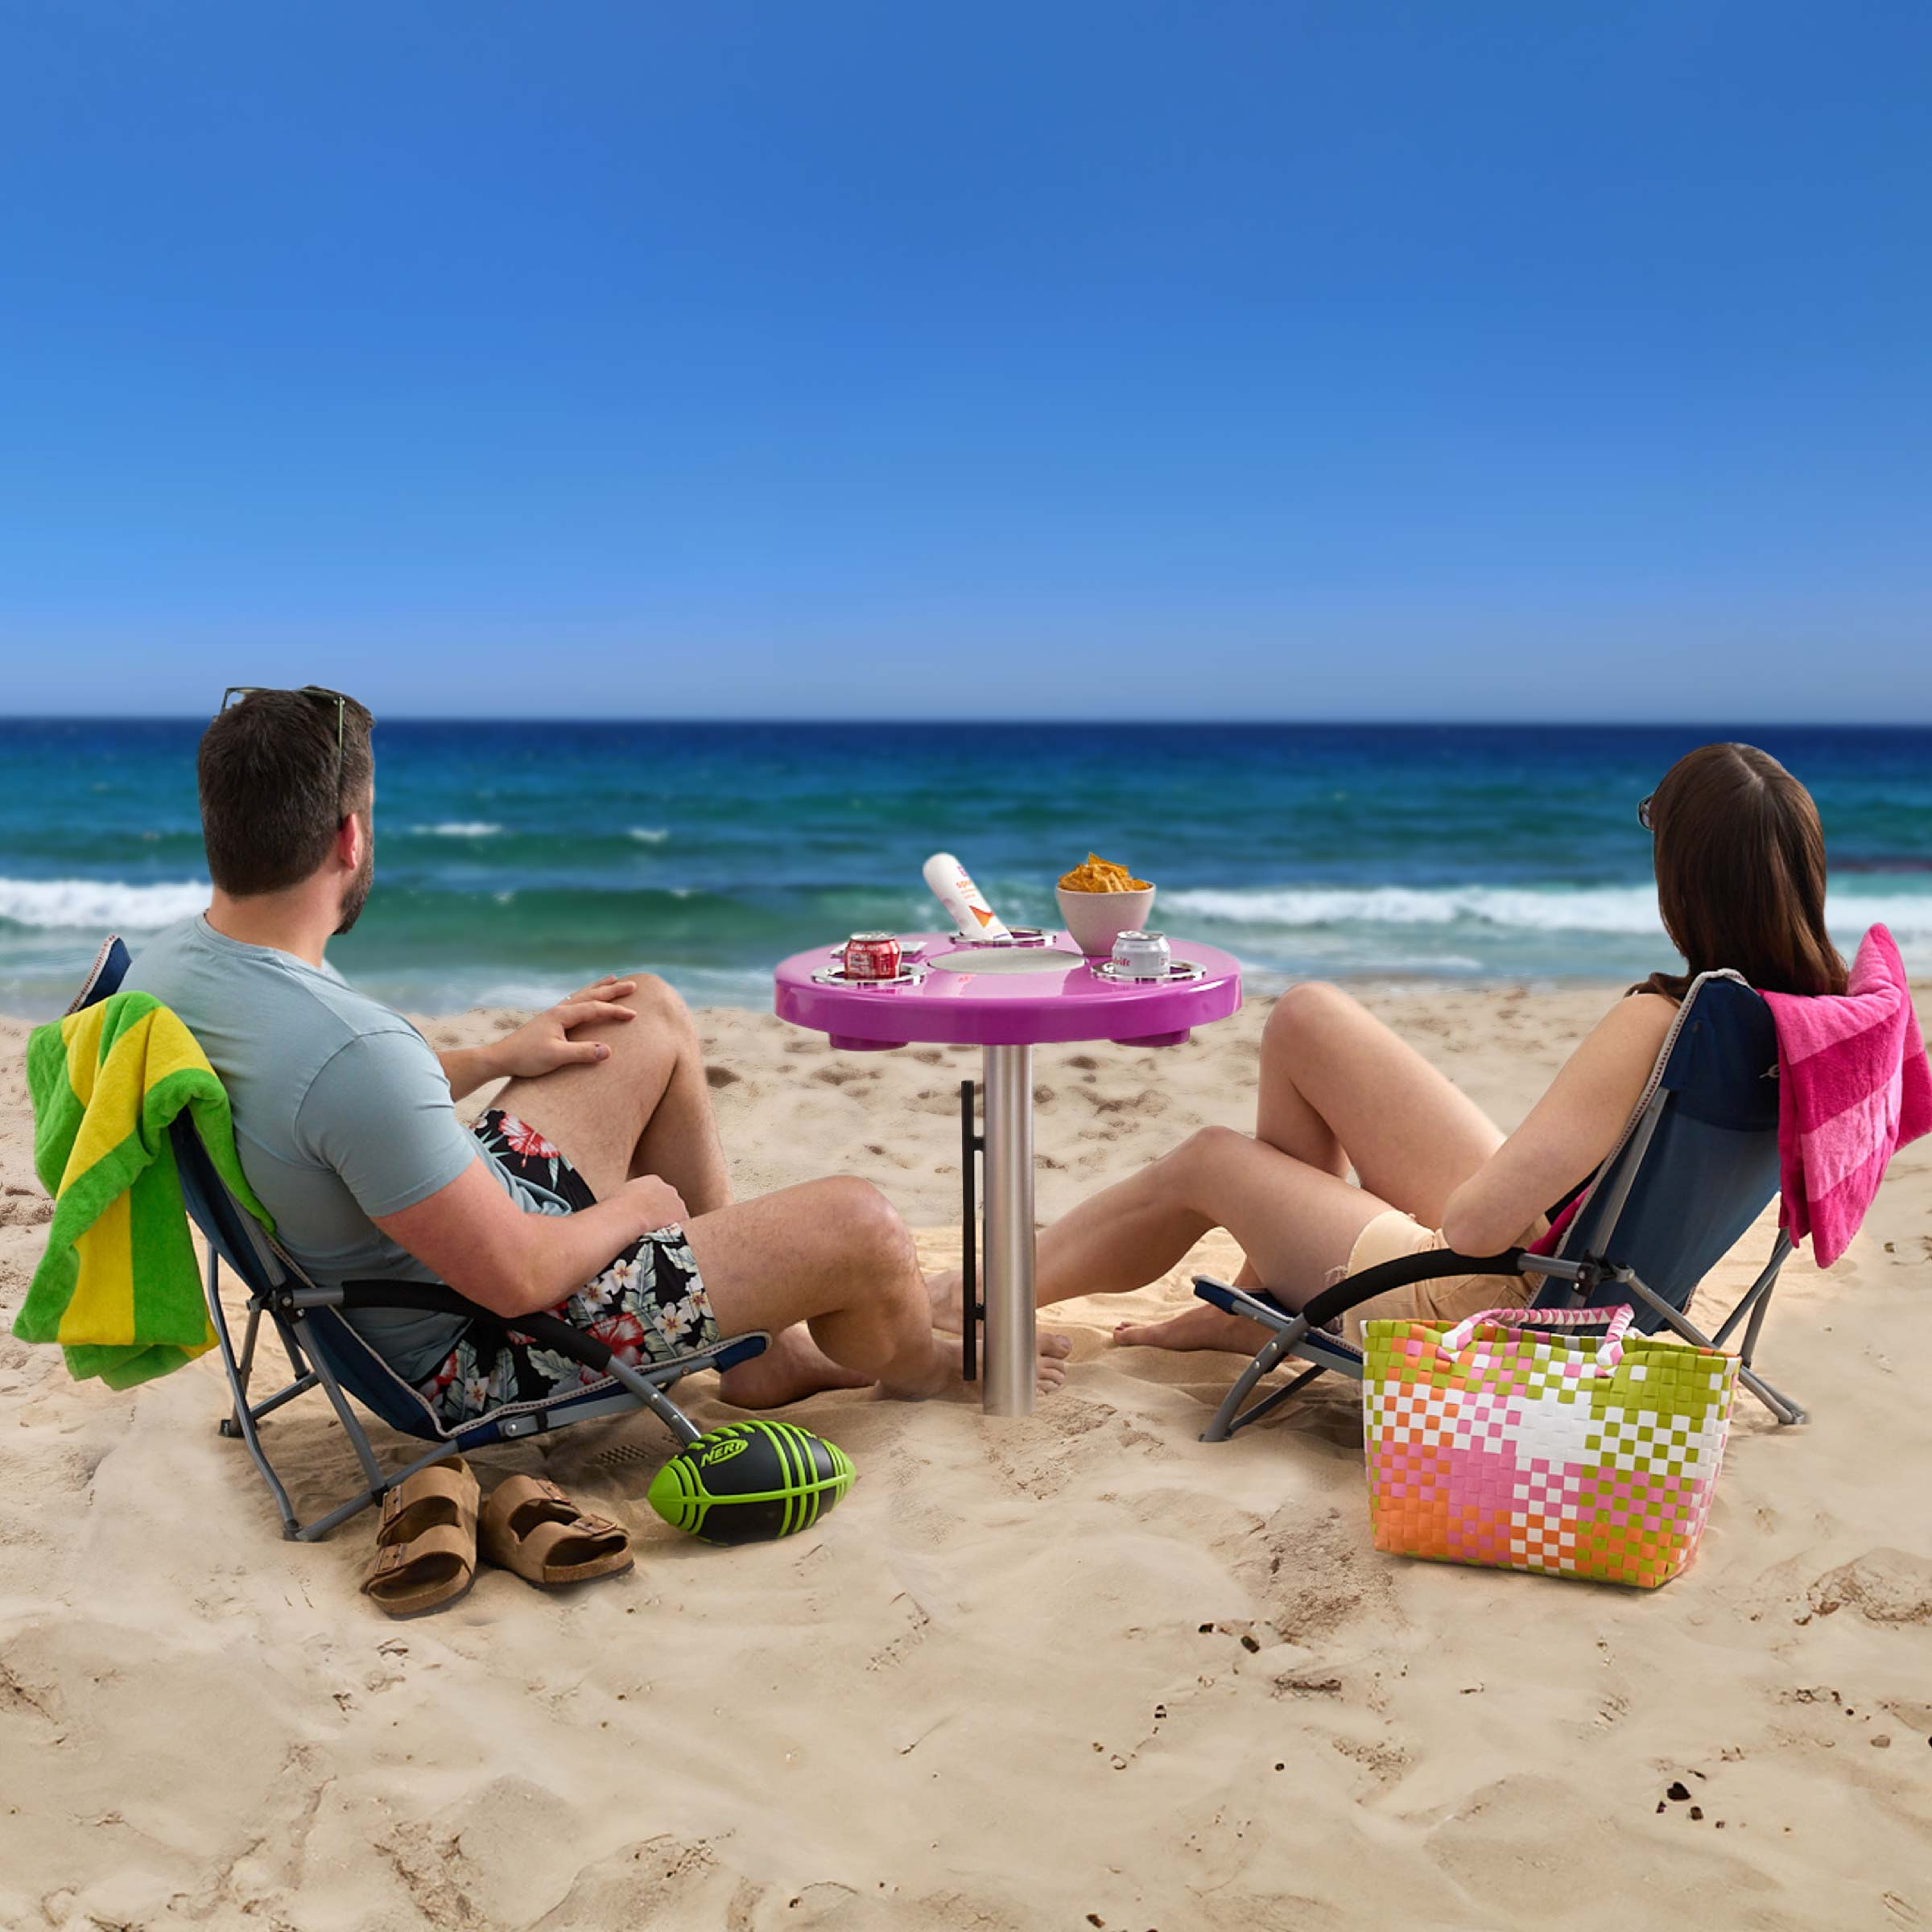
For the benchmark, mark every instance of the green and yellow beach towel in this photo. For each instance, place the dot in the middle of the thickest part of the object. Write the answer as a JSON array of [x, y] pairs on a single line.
[[118, 1287]]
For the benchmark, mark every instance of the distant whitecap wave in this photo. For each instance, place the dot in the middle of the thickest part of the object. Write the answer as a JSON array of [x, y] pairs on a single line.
[[1600, 909], [100, 905], [1603, 908], [458, 828], [650, 835]]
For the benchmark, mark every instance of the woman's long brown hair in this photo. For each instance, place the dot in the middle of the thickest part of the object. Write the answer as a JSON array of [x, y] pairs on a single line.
[[1740, 874]]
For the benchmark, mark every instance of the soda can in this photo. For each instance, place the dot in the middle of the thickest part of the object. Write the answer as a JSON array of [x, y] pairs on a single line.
[[1141, 955], [872, 956]]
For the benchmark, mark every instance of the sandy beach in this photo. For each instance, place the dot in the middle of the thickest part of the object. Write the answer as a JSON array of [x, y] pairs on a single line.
[[1079, 1671]]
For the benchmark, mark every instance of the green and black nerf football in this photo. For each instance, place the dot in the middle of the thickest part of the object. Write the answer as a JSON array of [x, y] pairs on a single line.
[[751, 1483]]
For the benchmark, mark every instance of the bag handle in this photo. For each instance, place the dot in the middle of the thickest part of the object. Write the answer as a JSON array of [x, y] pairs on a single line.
[[1607, 1357]]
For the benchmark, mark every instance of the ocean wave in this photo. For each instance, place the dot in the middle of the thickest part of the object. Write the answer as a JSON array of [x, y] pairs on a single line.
[[458, 828], [100, 905], [1599, 909], [650, 835], [1603, 908]]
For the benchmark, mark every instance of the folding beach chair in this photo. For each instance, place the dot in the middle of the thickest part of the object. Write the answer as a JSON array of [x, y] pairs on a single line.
[[1693, 1168], [325, 1351]]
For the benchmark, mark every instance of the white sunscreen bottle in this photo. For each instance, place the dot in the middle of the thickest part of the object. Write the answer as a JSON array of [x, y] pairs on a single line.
[[953, 887]]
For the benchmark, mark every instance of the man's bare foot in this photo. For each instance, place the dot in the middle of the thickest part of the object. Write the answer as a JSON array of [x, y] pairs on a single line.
[[1202, 1328], [792, 1367], [944, 1289]]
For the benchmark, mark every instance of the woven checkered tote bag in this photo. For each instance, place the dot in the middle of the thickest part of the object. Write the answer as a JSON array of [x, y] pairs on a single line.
[[1552, 1453]]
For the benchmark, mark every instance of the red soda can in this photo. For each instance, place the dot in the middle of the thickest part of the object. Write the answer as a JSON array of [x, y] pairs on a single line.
[[872, 956]]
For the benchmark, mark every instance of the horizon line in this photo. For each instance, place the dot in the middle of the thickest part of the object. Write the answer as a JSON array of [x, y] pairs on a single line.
[[1057, 722]]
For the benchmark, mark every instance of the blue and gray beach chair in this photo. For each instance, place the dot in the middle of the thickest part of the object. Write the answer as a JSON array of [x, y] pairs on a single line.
[[325, 1351], [1695, 1166]]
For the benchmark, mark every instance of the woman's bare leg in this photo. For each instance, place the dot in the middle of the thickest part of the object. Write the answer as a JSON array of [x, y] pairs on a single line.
[[1297, 1221], [1339, 1090]]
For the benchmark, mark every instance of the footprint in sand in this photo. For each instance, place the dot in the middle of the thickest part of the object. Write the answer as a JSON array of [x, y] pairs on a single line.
[[1883, 1586]]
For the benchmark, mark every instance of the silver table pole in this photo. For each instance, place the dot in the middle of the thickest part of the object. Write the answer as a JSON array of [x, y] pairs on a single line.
[[1008, 1370]]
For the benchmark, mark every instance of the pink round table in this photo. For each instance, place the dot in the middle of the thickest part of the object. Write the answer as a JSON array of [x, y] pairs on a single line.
[[1008, 1000]]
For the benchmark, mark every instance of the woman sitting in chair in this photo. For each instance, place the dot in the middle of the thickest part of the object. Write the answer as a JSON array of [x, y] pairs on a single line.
[[1739, 861]]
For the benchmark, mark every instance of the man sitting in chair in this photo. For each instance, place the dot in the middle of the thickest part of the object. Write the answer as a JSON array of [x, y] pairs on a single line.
[[594, 1187]]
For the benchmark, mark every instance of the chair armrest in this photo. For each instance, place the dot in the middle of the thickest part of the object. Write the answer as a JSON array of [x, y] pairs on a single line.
[[431, 1296], [1359, 1288], [560, 1335], [1434, 1265], [1228, 1298]]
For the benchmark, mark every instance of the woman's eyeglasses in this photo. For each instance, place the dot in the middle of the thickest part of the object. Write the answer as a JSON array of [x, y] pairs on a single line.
[[235, 692], [1643, 813]]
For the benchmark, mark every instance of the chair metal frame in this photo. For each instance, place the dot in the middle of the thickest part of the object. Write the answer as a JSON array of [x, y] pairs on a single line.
[[309, 1321], [295, 1306], [1590, 1279]]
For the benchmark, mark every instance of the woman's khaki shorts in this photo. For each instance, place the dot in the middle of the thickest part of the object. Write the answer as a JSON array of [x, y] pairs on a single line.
[[1392, 1234]]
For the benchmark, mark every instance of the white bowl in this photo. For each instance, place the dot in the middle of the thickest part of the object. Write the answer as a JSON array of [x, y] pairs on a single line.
[[1094, 920]]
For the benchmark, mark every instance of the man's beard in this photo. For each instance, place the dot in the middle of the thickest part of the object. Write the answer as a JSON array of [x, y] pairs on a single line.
[[356, 895]]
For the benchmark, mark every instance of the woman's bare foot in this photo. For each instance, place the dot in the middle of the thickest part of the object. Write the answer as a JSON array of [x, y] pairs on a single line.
[[1201, 1327], [792, 1367], [947, 1317], [1050, 1367]]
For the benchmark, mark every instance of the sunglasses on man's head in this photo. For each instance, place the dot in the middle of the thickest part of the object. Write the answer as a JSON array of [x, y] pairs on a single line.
[[235, 692], [1643, 813]]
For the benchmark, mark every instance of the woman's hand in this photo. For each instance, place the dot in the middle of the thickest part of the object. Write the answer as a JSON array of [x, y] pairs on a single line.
[[541, 1045]]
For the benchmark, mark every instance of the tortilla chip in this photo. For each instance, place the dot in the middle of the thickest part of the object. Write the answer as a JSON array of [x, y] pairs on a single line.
[[1101, 875]]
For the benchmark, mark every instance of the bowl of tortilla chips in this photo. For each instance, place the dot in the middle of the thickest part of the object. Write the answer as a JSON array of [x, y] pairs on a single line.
[[1099, 901]]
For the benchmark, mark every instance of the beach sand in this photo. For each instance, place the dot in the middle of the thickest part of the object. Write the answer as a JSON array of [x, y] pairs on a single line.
[[1074, 1671]]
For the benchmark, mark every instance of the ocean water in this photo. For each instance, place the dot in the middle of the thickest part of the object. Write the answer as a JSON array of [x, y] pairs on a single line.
[[514, 860]]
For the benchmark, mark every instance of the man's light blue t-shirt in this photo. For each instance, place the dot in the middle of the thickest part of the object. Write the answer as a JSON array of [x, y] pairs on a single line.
[[342, 1112]]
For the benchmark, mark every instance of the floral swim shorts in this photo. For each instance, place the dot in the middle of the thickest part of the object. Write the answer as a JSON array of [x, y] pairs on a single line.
[[649, 1305]]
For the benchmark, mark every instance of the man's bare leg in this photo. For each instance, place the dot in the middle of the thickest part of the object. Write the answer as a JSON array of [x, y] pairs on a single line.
[[835, 1255], [647, 1110]]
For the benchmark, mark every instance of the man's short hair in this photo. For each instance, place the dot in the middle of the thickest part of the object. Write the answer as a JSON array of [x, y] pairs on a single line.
[[272, 801]]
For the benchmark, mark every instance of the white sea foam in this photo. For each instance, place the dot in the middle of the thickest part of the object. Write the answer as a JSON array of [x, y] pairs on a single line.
[[650, 835], [1599, 909], [100, 905], [458, 828], [1605, 908]]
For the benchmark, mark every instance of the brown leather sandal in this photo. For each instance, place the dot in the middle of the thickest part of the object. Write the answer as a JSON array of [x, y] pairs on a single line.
[[530, 1526], [426, 1543]]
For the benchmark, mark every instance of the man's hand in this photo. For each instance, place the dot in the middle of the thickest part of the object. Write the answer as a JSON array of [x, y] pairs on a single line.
[[541, 1045], [658, 1202]]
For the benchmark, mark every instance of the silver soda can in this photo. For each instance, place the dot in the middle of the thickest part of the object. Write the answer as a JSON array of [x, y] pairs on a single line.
[[1141, 955]]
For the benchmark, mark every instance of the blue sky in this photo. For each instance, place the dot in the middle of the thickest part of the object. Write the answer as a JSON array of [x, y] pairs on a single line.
[[1274, 359]]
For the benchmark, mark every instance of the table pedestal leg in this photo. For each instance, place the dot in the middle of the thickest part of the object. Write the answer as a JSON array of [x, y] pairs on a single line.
[[1008, 1370]]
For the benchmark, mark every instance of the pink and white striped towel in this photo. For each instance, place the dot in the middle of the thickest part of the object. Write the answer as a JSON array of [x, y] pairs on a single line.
[[1853, 1087]]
